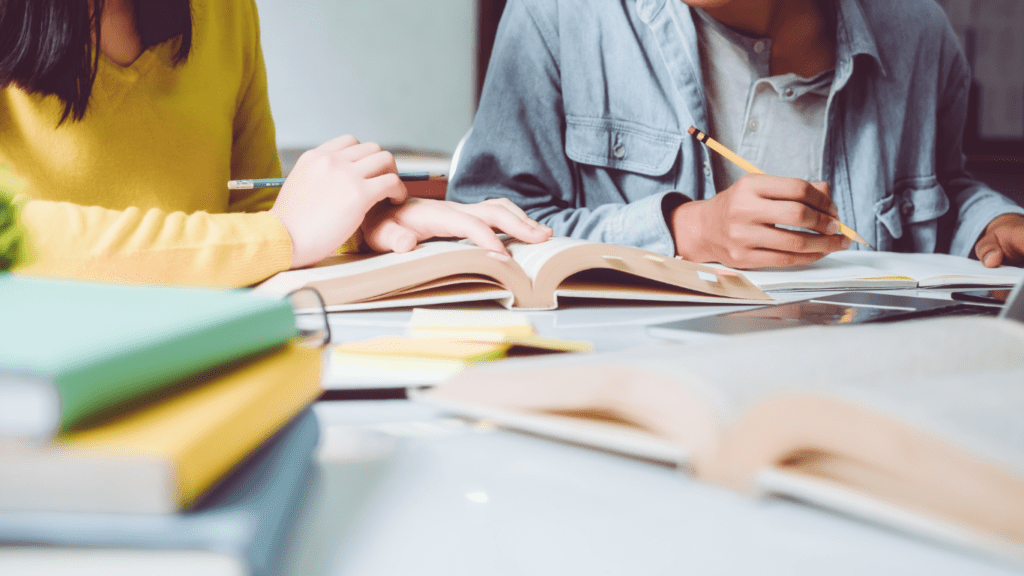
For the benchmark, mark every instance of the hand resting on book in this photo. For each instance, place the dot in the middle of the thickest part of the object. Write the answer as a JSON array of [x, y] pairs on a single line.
[[389, 228], [344, 185]]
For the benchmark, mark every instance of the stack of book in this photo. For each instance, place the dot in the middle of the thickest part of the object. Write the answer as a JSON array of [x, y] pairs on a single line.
[[149, 429]]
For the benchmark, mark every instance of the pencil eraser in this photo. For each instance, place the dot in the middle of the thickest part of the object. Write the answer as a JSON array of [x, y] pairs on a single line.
[[691, 130]]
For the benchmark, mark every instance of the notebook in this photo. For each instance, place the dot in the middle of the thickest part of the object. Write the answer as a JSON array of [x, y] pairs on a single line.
[[836, 309]]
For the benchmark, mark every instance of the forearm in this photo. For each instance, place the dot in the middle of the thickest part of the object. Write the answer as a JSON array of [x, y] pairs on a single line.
[[152, 247]]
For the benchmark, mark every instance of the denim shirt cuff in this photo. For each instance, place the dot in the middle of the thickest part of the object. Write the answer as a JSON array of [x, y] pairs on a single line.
[[981, 215], [642, 223]]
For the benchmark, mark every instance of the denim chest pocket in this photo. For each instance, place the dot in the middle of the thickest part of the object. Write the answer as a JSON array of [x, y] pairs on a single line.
[[910, 215], [618, 161], [620, 145]]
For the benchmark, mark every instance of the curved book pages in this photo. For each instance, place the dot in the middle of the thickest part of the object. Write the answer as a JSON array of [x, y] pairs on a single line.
[[535, 278], [915, 425]]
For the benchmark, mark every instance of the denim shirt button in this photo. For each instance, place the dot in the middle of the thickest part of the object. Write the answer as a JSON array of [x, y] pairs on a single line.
[[619, 151], [707, 169], [788, 93], [907, 208]]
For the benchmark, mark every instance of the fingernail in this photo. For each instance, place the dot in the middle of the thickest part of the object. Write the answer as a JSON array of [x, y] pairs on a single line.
[[846, 242], [499, 256], [989, 259], [832, 228]]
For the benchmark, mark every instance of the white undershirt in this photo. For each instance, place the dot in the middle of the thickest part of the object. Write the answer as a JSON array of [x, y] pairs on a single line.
[[777, 123]]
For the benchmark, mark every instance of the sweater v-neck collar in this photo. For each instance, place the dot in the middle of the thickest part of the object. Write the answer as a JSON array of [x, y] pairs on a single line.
[[114, 81]]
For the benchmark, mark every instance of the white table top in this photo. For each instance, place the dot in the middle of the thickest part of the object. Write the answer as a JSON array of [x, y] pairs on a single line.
[[453, 498]]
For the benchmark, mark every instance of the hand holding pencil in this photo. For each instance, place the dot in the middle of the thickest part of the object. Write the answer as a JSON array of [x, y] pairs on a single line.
[[737, 227]]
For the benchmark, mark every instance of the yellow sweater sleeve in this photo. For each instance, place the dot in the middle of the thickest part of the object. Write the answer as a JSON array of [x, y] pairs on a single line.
[[152, 246]]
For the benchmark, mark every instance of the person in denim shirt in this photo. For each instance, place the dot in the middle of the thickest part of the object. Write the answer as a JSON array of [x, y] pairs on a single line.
[[584, 115]]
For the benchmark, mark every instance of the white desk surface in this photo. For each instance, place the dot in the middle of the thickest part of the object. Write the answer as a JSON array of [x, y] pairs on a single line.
[[457, 499]]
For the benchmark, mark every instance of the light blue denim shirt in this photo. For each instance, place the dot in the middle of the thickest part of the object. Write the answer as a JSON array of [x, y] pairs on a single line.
[[584, 112]]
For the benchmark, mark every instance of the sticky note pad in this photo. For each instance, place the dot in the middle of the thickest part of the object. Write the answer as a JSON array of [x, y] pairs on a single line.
[[485, 325], [398, 346]]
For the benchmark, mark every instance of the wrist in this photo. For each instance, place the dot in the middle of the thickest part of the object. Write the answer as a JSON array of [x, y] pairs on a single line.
[[300, 245], [686, 224]]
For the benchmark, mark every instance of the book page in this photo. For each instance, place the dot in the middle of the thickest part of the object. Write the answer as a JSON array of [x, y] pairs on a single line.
[[938, 270], [345, 265], [852, 269], [896, 367], [575, 268], [532, 257], [917, 369]]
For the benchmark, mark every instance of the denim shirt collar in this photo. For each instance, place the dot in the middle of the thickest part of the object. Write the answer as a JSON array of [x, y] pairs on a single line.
[[683, 64], [854, 37]]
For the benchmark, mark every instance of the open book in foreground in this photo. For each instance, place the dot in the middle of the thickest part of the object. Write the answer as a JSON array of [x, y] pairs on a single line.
[[914, 425], [861, 269], [536, 277]]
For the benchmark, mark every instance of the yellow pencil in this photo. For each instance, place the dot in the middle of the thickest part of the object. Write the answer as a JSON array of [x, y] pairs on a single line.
[[735, 159]]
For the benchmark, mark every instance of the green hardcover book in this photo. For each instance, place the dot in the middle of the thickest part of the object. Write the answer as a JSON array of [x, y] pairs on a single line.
[[72, 352]]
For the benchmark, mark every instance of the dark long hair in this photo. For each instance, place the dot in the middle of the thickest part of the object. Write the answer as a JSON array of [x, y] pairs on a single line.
[[46, 46]]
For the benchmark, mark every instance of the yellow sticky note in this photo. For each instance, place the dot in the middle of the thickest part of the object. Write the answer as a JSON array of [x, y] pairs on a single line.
[[485, 325], [398, 346]]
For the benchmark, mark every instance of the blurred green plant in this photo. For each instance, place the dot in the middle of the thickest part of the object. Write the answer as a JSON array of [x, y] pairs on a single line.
[[12, 237]]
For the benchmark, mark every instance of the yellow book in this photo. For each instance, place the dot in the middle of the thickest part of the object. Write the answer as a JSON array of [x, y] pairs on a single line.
[[164, 456]]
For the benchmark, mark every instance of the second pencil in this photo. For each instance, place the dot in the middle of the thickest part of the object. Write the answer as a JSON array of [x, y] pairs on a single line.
[[278, 182]]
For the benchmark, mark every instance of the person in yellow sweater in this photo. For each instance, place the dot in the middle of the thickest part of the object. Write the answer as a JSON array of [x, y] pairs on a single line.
[[121, 122]]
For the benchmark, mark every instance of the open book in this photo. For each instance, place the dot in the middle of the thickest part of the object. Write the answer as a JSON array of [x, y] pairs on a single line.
[[914, 425], [861, 269], [536, 277]]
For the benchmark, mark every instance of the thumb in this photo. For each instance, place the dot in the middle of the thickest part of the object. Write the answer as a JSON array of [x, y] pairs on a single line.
[[390, 236], [988, 251]]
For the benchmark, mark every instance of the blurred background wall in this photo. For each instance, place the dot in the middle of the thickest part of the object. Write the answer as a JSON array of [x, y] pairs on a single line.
[[992, 35], [400, 72]]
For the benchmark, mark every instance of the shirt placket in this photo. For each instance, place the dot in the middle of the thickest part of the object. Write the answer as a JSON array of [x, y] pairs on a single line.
[[760, 103], [671, 28]]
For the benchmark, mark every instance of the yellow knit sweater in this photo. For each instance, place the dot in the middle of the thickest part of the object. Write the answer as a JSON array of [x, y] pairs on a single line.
[[137, 190]]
